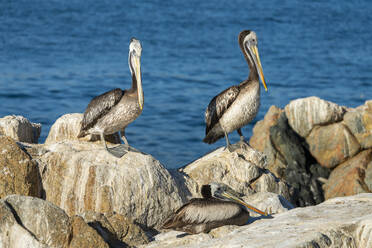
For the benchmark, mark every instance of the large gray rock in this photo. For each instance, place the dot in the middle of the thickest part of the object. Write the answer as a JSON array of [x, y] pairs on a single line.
[[305, 113], [83, 176], [339, 222], [244, 170], [20, 129]]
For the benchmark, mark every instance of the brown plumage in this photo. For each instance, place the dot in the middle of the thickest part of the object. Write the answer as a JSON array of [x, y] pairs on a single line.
[[236, 106], [219, 206]]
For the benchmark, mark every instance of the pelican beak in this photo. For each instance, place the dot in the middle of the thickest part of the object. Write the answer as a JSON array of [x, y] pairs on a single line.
[[137, 72], [258, 65], [237, 199]]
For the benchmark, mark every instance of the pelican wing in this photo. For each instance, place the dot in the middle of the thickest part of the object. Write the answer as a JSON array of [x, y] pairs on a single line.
[[219, 105], [199, 211], [98, 107]]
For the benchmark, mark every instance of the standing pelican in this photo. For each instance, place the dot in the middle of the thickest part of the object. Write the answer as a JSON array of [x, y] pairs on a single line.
[[219, 206], [114, 110], [236, 106]]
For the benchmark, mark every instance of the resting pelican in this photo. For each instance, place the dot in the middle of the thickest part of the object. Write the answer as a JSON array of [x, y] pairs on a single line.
[[236, 106], [114, 110], [219, 206]]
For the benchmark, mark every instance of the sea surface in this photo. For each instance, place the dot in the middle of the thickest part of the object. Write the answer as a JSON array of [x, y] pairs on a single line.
[[55, 56]]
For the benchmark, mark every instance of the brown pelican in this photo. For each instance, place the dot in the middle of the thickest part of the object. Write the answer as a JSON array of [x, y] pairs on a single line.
[[236, 106], [114, 110], [219, 206]]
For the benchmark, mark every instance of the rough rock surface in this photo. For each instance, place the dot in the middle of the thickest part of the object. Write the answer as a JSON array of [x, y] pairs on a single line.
[[20, 129], [48, 224], [351, 177], [243, 170], [359, 122], [82, 176], [305, 113], [338, 222], [332, 144], [288, 157], [67, 127], [18, 173]]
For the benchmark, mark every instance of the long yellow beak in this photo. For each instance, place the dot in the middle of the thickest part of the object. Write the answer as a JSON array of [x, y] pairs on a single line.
[[137, 71], [259, 66], [238, 200]]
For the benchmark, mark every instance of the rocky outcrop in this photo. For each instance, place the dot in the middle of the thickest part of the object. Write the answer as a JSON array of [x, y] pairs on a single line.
[[244, 170], [18, 173], [303, 114], [67, 128], [309, 139], [20, 129], [339, 222], [82, 176]]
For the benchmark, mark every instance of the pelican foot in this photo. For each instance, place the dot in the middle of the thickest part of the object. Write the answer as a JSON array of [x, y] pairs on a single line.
[[244, 145], [119, 151]]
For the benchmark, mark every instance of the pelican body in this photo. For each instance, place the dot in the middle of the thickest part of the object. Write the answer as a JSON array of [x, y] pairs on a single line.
[[219, 206], [114, 110], [238, 105]]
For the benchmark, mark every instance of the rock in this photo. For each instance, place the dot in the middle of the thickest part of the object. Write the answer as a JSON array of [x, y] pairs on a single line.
[[67, 127], [305, 113], [19, 174], [85, 236], [82, 176], [117, 230], [359, 122], [288, 157], [339, 222], [20, 129], [243, 170], [12, 233], [46, 222], [349, 177], [261, 141], [332, 144]]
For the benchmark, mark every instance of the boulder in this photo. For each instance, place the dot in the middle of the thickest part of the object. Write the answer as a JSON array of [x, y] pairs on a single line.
[[305, 113], [332, 144], [244, 170], [116, 230], [67, 127], [49, 224], [19, 174], [20, 129], [359, 122], [338, 222], [85, 236], [83, 176], [351, 177]]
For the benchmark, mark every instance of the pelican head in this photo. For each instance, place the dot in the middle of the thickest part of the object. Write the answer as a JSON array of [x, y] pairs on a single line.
[[223, 192], [135, 50], [248, 39]]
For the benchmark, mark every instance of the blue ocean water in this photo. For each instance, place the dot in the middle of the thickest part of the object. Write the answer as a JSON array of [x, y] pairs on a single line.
[[56, 55]]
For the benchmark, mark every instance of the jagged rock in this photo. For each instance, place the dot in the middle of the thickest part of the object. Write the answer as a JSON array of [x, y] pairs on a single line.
[[117, 230], [243, 170], [85, 236], [12, 233], [359, 122], [19, 174], [332, 144], [288, 157], [261, 141], [339, 222], [67, 127], [20, 129], [305, 113], [82, 176], [349, 177], [49, 224]]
